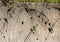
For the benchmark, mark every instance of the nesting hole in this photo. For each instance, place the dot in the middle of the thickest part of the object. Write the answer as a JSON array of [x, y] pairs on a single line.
[[36, 38], [39, 16], [3, 36], [49, 24], [22, 22], [45, 22]]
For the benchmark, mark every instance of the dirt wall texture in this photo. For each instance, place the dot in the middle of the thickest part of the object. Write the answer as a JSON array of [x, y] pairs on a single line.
[[30, 22]]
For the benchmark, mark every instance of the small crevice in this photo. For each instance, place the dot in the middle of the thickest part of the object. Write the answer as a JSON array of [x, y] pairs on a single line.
[[9, 9], [5, 30], [0, 19], [31, 29], [45, 38], [32, 9], [26, 9], [6, 20], [42, 19], [31, 18], [29, 10], [57, 8]]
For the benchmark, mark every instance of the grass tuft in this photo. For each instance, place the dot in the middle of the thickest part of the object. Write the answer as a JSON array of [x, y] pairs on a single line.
[[39, 1]]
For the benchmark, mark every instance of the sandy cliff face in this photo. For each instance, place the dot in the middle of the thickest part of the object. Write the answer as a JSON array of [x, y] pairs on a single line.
[[30, 22]]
